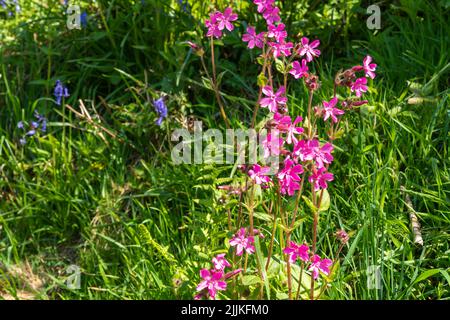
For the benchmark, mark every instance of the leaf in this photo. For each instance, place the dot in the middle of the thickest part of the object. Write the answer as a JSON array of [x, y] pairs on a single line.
[[263, 216], [309, 203], [207, 83], [426, 275], [220, 77], [259, 256], [325, 203], [446, 276], [282, 296], [250, 280], [260, 60], [262, 80], [279, 65], [138, 82]]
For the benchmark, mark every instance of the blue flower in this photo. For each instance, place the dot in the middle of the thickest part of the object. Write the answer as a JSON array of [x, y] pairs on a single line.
[[83, 19], [44, 125], [60, 92], [39, 125], [42, 120], [161, 110]]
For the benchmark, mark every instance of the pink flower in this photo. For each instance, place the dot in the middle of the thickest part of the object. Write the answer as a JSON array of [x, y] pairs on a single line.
[[342, 236], [279, 49], [299, 71], [253, 39], [284, 124], [272, 99], [259, 174], [289, 177], [295, 251], [323, 155], [218, 21], [330, 110], [309, 150], [224, 20], [294, 130], [220, 263], [369, 67], [241, 242], [212, 281], [320, 178], [317, 264], [281, 122], [272, 144], [306, 149], [213, 25], [359, 86], [263, 4], [271, 14], [308, 49], [277, 32]]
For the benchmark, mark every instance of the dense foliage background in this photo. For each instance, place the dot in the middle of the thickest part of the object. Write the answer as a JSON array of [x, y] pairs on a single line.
[[104, 195]]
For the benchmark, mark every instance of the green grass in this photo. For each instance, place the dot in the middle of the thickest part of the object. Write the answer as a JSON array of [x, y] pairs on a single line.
[[140, 227]]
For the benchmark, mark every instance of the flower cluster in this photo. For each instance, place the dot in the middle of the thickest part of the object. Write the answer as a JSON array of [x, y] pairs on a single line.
[[214, 280], [304, 154], [40, 124], [348, 78], [60, 92], [218, 21], [242, 242], [306, 150], [314, 263]]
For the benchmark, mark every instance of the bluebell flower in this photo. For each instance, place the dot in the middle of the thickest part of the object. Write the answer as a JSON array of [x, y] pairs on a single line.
[[161, 110], [44, 125], [39, 125], [42, 120], [83, 19], [60, 92]]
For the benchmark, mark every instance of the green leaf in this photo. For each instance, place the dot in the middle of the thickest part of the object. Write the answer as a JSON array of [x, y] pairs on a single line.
[[309, 203], [260, 60], [446, 276], [425, 275], [279, 65], [250, 280], [325, 203], [207, 83], [262, 80], [282, 296], [259, 256]]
